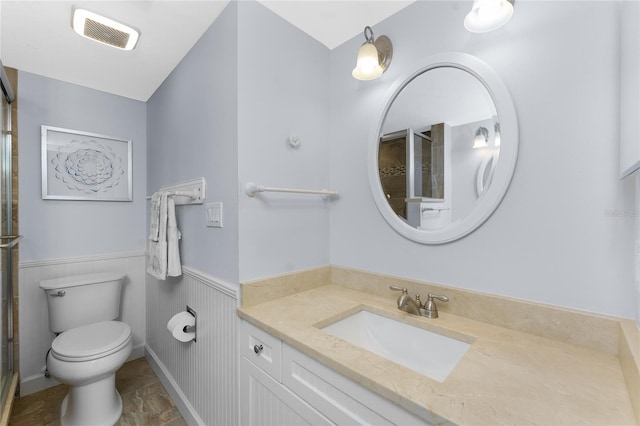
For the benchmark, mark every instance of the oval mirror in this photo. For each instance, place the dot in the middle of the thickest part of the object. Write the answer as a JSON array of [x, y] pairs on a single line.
[[444, 149]]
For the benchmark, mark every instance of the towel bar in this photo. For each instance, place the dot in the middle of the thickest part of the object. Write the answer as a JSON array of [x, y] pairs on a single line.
[[251, 189], [192, 192]]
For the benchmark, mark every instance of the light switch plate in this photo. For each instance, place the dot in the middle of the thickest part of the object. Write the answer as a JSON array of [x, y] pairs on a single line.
[[213, 214]]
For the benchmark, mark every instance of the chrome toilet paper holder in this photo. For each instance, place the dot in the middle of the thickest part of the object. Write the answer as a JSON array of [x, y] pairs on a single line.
[[191, 328]]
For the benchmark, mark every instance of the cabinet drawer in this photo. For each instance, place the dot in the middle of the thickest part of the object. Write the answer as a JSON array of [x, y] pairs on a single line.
[[262, 349], [339, 399]]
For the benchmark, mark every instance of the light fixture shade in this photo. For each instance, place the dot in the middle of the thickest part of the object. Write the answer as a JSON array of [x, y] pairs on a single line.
[[488, 15], [367, 67], [481, 140], [496, 136], [104, 30]]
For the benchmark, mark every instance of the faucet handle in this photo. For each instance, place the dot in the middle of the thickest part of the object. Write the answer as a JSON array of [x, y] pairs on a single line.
[[429, 309], [396, 288], [430, 298]]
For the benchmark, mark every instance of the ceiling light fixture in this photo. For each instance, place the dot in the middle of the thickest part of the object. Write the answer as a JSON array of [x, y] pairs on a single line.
[[104, 30], [373, 57], [488, 15]]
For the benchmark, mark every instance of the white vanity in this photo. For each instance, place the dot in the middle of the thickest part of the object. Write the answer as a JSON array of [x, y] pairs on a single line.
[[280, 385], [524, 363]]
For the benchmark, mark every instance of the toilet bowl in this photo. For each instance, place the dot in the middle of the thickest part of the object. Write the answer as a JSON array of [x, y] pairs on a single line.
[[86, 358]]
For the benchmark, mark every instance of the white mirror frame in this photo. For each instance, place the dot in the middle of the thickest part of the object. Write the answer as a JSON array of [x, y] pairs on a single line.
[[494, 193]]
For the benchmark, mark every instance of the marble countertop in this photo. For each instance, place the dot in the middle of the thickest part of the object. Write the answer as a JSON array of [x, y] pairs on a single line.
[[506, 376]]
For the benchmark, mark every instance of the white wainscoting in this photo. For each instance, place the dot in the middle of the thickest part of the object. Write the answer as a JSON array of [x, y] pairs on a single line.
[[35, 338], [202, 376]]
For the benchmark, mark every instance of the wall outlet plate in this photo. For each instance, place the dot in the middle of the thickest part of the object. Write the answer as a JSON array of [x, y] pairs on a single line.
[[213, 214]]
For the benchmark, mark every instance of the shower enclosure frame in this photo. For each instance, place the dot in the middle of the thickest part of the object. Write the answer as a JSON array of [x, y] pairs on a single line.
[[8, 248]]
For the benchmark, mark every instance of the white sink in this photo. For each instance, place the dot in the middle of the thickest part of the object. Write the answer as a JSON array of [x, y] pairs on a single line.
[[422, 351]]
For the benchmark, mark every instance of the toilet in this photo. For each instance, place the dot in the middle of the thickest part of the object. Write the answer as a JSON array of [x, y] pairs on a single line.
[[90, 347]]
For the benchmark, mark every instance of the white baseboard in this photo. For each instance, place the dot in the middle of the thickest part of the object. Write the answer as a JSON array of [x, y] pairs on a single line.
[[38, 382], [35, 384], [187, 411]]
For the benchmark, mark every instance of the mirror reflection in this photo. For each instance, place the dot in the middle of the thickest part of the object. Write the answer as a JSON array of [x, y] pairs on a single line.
[[439, 146]]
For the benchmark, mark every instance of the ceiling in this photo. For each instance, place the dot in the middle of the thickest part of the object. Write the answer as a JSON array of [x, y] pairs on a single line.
[[36, 36]]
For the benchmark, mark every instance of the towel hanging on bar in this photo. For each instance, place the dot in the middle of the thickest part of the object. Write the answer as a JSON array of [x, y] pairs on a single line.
[[163, 254]]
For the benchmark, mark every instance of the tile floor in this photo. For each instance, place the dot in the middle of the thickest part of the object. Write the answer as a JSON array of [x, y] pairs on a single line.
[[144, 398]]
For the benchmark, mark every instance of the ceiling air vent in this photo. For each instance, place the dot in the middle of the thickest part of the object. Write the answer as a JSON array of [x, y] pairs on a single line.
[[104, 30]]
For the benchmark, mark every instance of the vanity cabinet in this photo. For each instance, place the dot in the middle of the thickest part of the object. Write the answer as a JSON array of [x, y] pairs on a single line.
[[280, 385]]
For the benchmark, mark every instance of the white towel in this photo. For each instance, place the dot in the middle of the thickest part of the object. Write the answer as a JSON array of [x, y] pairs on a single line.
[[174, 268], [157, 251], [154, 217]]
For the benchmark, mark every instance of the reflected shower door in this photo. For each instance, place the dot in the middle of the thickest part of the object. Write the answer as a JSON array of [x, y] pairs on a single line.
[[6, 244]]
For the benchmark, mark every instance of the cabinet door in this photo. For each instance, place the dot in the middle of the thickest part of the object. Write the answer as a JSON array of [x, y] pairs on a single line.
[[265, 402]]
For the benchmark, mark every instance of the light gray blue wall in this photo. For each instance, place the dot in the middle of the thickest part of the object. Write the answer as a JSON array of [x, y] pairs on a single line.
[[551, 240], [283, 88], [192, 125], [226, 113], [55, 229]]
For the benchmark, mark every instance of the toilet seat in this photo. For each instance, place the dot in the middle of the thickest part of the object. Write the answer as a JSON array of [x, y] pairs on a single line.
[[91, 341]]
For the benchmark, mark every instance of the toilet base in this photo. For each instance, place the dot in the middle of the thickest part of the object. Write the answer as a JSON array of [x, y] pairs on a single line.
[[94, 404]]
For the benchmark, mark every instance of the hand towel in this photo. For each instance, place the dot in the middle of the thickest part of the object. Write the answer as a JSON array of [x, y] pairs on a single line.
[[157, 250], [154, 217], [174, 268]]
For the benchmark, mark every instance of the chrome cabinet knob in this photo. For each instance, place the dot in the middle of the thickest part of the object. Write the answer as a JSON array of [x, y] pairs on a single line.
[[257, 348]]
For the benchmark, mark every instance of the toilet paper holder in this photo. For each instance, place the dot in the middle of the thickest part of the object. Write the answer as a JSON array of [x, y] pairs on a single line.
[[191, 328]]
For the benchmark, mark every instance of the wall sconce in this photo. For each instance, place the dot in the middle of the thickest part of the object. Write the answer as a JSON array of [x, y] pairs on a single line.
[[481, 139], [496, 135], [373, 57], [488, 15]]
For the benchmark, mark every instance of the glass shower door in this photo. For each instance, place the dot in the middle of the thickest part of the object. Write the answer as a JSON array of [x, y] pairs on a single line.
[[7, 243]]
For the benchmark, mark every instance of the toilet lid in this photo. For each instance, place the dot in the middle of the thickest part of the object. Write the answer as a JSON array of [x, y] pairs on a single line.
[[91, 341]]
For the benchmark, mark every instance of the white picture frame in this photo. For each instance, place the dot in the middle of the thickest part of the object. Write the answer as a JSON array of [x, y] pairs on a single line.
[[85, 166]]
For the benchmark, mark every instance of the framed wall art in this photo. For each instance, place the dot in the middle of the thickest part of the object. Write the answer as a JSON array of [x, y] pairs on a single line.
[[85, 166]]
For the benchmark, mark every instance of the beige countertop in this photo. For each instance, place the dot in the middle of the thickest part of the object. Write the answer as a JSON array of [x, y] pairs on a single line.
[[506, 376]]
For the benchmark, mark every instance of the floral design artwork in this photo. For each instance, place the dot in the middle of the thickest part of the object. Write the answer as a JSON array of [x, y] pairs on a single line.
[[88, 166]]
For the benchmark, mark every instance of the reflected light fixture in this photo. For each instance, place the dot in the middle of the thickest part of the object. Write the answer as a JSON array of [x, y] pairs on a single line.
[[374, 56], [481, 139], [496, 135], [488, 15], [104, 30]]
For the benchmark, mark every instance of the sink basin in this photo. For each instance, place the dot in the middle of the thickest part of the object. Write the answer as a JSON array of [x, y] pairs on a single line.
[[424, 352]]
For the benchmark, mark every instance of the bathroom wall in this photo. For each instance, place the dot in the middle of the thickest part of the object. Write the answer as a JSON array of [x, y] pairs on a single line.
[[555, 238], [193, 130], [228, 116], [226, 113], [192, 127], [283, 89], [58, 229], [75, 237]]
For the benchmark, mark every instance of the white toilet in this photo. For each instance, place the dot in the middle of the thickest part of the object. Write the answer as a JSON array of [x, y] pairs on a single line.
[[90, 348]]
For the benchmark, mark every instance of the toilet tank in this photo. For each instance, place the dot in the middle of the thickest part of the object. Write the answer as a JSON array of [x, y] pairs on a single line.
[[82, 299]]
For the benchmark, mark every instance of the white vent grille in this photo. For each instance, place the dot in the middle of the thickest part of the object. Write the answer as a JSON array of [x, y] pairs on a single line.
[[104, 30], [105, 34]]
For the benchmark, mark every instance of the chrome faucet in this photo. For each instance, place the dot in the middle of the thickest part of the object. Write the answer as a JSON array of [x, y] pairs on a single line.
[[416, 307]]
